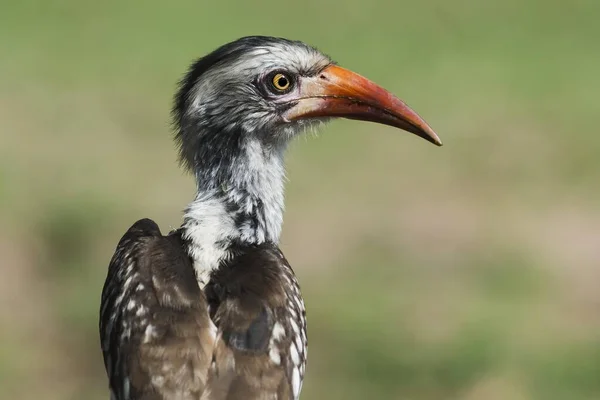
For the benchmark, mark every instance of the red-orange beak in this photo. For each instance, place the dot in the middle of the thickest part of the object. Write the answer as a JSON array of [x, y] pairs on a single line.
[[338, 92]]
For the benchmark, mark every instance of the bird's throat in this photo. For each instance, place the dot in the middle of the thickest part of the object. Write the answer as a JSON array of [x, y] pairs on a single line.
[[239, 201]]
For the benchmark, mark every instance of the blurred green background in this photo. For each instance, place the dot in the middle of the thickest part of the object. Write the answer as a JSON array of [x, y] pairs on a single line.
[[466, 272]]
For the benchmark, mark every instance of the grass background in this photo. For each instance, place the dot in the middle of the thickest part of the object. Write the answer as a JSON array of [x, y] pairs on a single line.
[[465, 272]]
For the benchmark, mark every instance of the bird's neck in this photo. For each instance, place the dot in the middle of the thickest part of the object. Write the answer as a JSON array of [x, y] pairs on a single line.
[[239, 201]]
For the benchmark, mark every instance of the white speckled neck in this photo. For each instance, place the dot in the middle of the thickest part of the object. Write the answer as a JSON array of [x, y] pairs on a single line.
[[247, 208]]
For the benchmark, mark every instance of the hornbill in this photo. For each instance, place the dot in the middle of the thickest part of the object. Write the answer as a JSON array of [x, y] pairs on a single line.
[[213, 310]]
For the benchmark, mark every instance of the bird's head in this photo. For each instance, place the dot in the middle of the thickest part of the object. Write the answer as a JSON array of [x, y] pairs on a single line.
[[271, 89]]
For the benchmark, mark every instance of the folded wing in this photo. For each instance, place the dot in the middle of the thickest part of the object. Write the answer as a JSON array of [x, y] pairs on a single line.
[[163, 338]]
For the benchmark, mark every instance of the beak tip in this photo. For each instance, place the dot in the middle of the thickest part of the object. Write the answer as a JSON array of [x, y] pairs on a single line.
[[431, 136]]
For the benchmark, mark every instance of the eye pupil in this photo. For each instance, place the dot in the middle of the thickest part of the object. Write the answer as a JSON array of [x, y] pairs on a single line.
[[281, 82]]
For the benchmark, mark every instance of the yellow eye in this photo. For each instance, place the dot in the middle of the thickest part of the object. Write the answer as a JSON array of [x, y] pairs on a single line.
[[281, 82]]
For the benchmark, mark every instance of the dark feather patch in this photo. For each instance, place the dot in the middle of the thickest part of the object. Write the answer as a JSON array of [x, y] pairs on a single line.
[[255, 338], [255, 303]]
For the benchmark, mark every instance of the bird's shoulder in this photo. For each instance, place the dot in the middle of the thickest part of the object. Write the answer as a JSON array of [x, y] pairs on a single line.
[[255, 302], [150, 267], [156, 336]]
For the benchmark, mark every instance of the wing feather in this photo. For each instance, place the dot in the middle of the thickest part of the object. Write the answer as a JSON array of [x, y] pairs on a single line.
[[163, 338], [253, 306], [157, 338]]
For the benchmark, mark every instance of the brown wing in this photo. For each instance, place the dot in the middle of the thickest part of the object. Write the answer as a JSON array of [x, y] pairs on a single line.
[[157, 338], [256, 304]]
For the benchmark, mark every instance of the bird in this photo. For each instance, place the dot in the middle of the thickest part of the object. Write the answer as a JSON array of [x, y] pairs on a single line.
[[213, 310]]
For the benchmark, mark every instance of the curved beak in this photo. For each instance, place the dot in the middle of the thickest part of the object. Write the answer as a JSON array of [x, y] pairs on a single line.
[[338, 92]]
